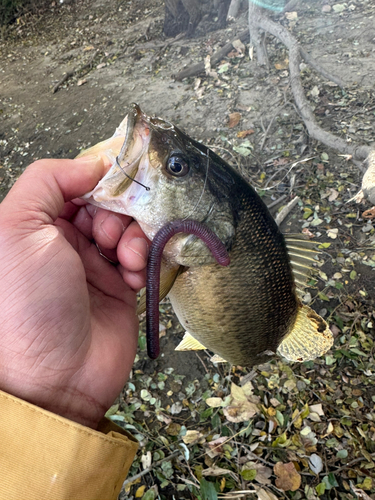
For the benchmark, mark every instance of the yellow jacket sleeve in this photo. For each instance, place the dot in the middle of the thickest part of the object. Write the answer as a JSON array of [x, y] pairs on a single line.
[[46, 457]]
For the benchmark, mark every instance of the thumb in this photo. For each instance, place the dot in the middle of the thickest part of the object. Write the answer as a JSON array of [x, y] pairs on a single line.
[[47, 184]]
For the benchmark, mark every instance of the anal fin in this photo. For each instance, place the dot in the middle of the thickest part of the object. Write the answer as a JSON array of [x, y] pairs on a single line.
[[189, 343], [309, 339]]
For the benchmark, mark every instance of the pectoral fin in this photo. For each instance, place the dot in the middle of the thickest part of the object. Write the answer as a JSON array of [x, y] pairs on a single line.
[[309, 339], [168, 276], [189, 343]]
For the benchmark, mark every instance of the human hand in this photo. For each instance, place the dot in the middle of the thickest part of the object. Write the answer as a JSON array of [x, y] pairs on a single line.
[[68, 323]]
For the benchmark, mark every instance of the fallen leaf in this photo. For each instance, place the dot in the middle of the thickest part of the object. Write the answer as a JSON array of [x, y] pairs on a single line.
[[317, 409], [234, 119], [243, 133], [214, 402], [334, 194], [239, 46], [282, 65], [263, 472], [291, 16], [146, 460], [216, 446], [265, 495], [332, 233], [288, 478], [140, 491], [191, 436], [89, 47], [315, 463], [81, 82]]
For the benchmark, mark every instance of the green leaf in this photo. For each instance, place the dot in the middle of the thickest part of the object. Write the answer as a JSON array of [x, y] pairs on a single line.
[[113, 409], [249, 474], [353, 275], [320, 489], [149, 495], [208, 490], [142, 344], [323, 296], [224, 68], [280, 418], [342, 454]]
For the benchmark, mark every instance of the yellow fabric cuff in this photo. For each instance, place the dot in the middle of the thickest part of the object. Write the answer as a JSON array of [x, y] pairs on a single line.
[[47, 457]]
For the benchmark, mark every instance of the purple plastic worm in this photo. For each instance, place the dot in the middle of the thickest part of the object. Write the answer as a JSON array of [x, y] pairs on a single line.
[[153, 270]]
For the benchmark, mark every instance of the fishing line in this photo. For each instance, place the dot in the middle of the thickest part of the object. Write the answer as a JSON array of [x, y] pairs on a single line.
[[204, 188], [128, 176]]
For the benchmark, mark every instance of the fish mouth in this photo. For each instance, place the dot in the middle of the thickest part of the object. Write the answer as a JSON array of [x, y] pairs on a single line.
[[128, 177]]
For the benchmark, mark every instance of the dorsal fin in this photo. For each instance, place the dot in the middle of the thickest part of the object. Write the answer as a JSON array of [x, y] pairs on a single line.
[[302, 255]]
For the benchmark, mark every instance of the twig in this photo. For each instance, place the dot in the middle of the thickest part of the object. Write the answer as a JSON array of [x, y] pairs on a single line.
[[196, 69], [270, 125], [314, 64], [286, 210], [201, 360], [149, 469], [169, 457], [349, 464], [69, 74], [276, 202]]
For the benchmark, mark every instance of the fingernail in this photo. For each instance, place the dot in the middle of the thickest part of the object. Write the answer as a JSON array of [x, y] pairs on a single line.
[[92, 209], [88, 158]]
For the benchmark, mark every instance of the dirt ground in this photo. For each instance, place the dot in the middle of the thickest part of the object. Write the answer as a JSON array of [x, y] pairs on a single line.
[[131, 61]]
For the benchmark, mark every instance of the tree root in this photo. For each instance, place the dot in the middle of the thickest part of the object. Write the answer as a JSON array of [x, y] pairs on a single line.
[[315, 131], [357, 152]]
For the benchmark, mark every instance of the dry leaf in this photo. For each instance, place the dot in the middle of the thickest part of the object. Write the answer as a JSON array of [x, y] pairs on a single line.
[[81, 82], [282, 65], [291, 16], [218, 471], [89, 47], [264, 494], [317, 409], [239, 46], [332, 233], [140, 491], [240, 412], [244, 133], [214, 402], [234, 119], [216, 447], [288, 478], [146, 460], [191, 436], [334, 194], [263, 473]]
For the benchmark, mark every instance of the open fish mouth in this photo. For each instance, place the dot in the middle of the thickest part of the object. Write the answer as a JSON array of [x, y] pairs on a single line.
[[128, 178]]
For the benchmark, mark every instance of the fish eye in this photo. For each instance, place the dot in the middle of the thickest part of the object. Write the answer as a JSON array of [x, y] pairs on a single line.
[[177, 166]]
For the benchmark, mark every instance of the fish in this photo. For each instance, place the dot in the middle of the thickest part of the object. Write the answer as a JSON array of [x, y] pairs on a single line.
[[244, 312]]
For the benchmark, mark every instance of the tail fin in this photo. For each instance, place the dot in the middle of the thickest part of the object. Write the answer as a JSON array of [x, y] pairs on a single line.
[[309, 339]]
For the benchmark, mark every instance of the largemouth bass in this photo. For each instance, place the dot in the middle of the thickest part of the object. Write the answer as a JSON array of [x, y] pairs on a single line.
[[244, 312]]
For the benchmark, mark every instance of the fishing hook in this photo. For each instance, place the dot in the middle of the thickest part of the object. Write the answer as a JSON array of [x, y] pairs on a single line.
[[128, 176]]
